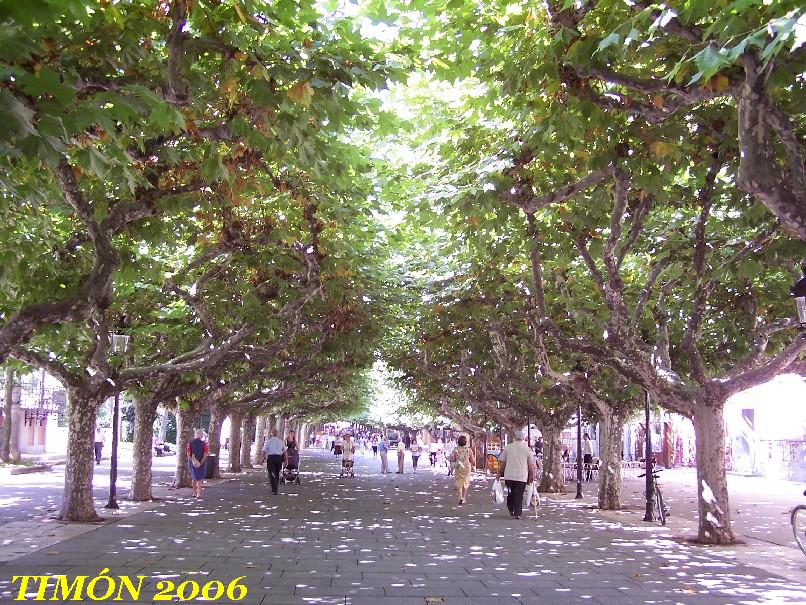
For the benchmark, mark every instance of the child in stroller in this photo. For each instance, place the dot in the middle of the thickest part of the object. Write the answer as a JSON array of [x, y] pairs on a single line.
[[290, 472]]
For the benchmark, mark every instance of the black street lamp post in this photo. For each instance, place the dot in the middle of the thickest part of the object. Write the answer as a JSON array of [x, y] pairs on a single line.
[[581, 370], [120, 344], [579, 451], [649, 486], [799, 292]]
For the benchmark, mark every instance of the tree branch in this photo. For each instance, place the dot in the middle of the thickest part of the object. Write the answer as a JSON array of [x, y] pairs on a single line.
[[646, 292], [581, 245], [639, 217], [760, 174], [671, 23], [767, 371], [614, 286], [50, 364], [521, 193], [178, 86]]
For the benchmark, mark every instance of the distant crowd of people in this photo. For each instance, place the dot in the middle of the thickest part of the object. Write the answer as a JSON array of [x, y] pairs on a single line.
[[517, 462]]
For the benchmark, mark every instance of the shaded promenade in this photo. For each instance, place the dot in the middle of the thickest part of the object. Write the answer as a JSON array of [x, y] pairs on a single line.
[[401, 540]]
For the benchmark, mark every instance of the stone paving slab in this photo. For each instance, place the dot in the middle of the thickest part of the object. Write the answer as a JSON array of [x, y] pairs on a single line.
[[402, 540]]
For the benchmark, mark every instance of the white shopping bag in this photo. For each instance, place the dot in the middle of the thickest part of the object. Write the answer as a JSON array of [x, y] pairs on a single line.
[[497, 492], [531, 498]]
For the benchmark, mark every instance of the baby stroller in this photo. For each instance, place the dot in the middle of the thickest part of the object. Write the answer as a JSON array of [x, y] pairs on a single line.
[[347, 468], [290, 472]]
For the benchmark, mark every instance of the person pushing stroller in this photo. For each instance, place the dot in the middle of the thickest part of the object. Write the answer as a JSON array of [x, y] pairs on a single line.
[[347, 457], [291, 467]]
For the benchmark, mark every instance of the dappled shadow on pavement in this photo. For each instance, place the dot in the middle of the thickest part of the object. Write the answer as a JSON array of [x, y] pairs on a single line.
[[402, 539]]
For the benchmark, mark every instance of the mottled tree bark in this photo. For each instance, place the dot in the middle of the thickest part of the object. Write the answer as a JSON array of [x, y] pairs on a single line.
[[8, 399], [217, 415], [77, 501], [235, 442], [164, 425], [184, 432], [712, 485], [260, 435], [246, 442], [776, 178], [302, 435], [552, 480], [612, 426], [145, 412]]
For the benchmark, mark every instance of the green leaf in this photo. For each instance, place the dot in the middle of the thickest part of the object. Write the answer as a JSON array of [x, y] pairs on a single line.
[[749, 269], [212, 168], [709, 61], [610, 40], [93, 160], [47, 82], [17, 117]]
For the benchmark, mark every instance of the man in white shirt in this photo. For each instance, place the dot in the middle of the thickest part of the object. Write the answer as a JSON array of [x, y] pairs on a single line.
[[98, 443], [587, 456], [274, 448], [517, 466]]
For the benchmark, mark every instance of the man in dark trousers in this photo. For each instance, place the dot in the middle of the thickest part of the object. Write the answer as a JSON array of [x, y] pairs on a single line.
[[517, 467], [275, 452]]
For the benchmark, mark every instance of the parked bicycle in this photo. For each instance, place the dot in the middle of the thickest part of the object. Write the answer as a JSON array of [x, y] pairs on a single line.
[[659, 509], [799, 525]]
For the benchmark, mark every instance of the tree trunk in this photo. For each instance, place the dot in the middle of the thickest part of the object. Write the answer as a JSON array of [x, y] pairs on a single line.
[[145, 413], [14, 441], [5, 437], [712, 484], [302, 436], [184, 428], [260, 435], [246, 444], [552, 481], [77, 501], [612, 427], [164, 425], [217, 415], [235, 442]]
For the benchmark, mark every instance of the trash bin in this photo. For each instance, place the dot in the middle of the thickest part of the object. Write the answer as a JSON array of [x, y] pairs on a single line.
[[212, 465]]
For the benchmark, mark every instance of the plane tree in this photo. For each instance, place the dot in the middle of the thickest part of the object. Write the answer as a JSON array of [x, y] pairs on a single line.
[[139, 111]]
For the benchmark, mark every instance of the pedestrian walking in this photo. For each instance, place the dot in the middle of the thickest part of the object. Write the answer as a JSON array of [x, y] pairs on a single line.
[[98, 443], [374, 446], [441, 460], [275, 451], [401, 453], [463, 459], [291, 440], [347, 457], [198, 451], [383, 448], [415, 453], [517, 466], [449, 448], [432, 453], [587, 456]]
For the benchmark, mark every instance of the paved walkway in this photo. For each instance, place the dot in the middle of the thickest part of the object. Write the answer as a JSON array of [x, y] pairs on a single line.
[[401, 540]]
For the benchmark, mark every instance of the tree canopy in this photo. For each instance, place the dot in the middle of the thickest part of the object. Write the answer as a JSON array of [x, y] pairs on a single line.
[[269, 198]]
